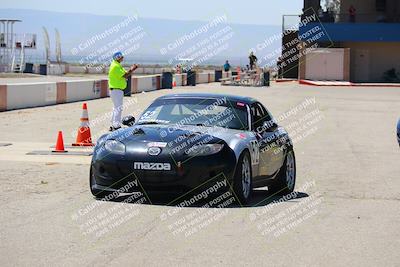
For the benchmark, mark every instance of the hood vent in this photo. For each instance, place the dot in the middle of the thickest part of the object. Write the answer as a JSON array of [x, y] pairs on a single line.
[[138, 131], [191, 134]]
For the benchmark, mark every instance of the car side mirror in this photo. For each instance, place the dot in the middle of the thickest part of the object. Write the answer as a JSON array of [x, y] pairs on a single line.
[[128, 121], [269, 125]]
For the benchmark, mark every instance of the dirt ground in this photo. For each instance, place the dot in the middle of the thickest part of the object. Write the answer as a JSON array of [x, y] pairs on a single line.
[[346, 210]]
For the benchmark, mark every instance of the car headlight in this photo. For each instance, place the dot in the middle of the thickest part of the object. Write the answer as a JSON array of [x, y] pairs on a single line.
[[101, 140], [115, 147], [204, 150]]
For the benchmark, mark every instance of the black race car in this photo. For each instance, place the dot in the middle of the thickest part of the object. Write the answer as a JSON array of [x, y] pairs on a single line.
[[184, 141]]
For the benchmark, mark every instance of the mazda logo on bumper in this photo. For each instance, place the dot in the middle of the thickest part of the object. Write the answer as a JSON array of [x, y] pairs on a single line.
[[154, 151]]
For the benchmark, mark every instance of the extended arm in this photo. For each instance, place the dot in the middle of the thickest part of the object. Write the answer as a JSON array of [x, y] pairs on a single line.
[[131, 70]]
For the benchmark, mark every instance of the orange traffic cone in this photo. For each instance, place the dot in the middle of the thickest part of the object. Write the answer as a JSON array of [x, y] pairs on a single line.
[[84, 137], [174, 83], [60, 143]]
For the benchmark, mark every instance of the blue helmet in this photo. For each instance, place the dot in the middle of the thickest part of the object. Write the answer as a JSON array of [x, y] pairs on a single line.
[[117, 55]]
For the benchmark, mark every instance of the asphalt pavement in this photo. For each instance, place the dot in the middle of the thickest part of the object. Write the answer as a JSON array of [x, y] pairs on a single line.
[[345, 212]]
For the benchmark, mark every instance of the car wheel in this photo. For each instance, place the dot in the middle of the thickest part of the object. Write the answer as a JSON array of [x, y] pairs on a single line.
[[243, 185], [285, 181], [98, 194]]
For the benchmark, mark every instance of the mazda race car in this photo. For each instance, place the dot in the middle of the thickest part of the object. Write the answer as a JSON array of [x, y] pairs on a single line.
[[184, 141]]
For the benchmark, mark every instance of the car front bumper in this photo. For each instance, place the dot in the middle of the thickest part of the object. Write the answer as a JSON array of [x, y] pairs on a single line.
[[113, 172]]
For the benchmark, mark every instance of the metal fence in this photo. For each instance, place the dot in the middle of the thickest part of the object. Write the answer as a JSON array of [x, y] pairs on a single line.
[[358, 18]]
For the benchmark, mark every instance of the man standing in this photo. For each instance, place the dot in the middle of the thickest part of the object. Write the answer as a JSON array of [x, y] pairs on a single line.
[[227, 66], [352, 14], [398, 131], [253, 60], [117, 76]]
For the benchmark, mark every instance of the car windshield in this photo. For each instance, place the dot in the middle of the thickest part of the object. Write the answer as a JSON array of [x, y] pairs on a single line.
[[194, 111]]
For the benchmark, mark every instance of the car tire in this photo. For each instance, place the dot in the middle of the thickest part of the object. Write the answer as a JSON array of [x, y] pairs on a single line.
[[242, 183], [285, 181], [98, 194]]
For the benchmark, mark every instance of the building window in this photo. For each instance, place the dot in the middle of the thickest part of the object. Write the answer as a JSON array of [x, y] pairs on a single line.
[[380, 5]]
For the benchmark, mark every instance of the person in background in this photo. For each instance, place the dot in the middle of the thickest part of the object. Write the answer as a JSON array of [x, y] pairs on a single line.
[[178, 69], [352, 14], [227, 66], [117, 76], [257, 77], [253, 60], [398, 131], [320, 12]]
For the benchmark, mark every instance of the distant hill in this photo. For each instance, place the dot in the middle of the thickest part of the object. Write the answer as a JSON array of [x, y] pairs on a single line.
[[78, 29]]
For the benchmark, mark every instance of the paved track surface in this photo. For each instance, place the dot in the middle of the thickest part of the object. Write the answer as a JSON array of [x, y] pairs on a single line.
[[346, 212]]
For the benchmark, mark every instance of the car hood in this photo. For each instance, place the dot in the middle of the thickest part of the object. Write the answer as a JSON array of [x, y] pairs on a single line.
[[176, 135]]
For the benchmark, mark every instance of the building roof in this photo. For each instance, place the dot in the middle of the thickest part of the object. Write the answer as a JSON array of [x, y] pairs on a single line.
[[10, 20]]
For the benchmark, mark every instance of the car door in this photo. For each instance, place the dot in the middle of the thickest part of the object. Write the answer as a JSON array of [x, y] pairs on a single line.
[[268, 136]]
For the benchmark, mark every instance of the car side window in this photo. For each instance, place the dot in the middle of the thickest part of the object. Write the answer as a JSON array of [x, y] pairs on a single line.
[[257, 115], [266, 115]]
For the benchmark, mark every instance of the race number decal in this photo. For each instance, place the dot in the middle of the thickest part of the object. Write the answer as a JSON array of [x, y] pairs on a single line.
[[254, 152], [147, 115]]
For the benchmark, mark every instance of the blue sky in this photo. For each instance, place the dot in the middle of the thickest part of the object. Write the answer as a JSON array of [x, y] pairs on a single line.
[[245, 12]]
